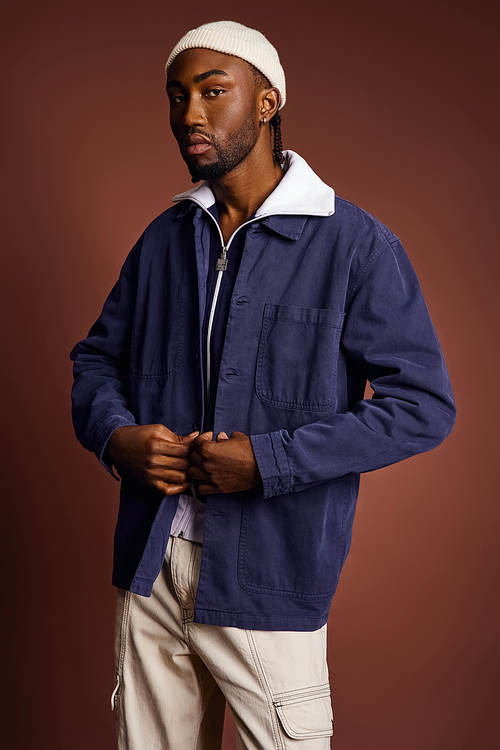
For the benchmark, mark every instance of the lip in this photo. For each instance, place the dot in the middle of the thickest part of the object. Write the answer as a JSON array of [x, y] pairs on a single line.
[[195, 143]]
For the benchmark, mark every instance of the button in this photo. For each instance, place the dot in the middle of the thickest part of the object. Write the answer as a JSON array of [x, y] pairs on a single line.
[[241, 301], [196, 426]]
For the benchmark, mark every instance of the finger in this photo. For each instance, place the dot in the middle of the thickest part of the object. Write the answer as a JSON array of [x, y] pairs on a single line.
[[169, 463], [222, 436], [170, 448], [203, 437], [171, 475], [206, 489], [163, 433], [168, 488], [187, 438], [201, 458], [196, 474], [195, 460]]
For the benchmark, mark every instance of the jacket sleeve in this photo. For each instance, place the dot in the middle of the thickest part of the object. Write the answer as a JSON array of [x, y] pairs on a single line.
[[101, 365], [388, 339]]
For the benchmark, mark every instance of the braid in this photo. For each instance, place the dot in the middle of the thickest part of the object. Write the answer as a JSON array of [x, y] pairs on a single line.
[[261, 82], [278, 144]]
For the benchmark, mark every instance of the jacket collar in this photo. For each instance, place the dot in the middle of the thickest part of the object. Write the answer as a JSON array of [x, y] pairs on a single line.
[[300, 193]]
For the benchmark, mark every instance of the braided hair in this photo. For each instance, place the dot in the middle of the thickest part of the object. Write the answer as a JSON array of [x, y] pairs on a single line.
[[261, 82], [278, 144]]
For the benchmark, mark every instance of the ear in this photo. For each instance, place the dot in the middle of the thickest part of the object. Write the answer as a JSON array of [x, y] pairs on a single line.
[[269, 103]]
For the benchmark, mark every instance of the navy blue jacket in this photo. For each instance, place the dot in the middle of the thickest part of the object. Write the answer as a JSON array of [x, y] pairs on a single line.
[[325, 299]]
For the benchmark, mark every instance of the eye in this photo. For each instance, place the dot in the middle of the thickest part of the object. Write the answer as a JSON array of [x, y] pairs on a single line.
[[214, 93], [176, 99]]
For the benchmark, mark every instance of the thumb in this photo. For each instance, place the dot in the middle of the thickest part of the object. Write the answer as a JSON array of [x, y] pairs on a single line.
[[205, 436], [187, 438]]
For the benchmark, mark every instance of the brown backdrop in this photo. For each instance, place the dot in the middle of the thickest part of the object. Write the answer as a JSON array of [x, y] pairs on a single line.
[[393, 103]]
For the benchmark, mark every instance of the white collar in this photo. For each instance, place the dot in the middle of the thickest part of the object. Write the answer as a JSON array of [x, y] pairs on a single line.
[[300, 192]]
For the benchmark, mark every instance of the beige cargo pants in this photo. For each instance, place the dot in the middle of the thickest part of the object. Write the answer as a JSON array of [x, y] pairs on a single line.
[[174, 675]]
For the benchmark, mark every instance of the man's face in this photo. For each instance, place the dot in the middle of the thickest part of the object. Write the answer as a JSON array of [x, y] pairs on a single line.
[[213, 111]]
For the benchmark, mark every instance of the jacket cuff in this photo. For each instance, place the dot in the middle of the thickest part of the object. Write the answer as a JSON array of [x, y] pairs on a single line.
[[102, 441], [272, 463]]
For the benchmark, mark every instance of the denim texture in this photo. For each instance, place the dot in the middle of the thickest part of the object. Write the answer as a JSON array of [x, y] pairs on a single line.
[[321, 304]]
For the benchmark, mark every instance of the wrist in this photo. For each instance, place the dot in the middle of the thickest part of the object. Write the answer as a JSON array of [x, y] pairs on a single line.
[[113, 449]]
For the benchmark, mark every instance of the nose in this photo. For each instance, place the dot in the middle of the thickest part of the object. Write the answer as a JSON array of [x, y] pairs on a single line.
[[193, 112]]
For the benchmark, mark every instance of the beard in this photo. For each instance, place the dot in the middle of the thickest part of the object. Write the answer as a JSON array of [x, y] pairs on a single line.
[[229, 153]]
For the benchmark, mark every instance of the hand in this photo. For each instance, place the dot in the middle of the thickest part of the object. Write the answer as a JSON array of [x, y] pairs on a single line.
[[227, 465], [154, 454]]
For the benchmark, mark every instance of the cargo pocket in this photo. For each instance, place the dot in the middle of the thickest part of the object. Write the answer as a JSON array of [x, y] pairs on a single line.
[[305, 714]]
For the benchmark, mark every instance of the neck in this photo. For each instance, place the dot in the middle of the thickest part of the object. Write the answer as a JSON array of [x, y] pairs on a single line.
[[240, 193]]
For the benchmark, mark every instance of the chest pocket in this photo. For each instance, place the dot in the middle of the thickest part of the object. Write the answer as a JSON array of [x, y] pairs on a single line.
[[297, 360]]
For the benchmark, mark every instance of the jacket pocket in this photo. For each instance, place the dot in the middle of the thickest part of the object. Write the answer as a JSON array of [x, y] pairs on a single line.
[[305, 714], [158, 333], [295, 546], [297, 359]]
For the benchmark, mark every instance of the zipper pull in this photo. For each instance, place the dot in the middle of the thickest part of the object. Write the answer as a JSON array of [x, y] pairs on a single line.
[[115, 691], [221, 264]]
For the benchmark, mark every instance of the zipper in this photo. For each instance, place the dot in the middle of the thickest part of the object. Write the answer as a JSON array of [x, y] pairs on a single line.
[[211, 320], [220, 267]]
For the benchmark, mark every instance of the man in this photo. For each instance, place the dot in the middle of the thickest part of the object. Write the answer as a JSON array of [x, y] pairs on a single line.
[[224, 380]]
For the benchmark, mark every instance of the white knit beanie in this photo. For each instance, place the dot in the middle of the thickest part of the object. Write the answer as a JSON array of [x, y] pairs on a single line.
[[233, 38]]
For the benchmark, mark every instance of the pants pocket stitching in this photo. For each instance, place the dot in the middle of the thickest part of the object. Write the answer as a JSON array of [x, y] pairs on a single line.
[[265, 687], [283, 701], [294, 696]]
